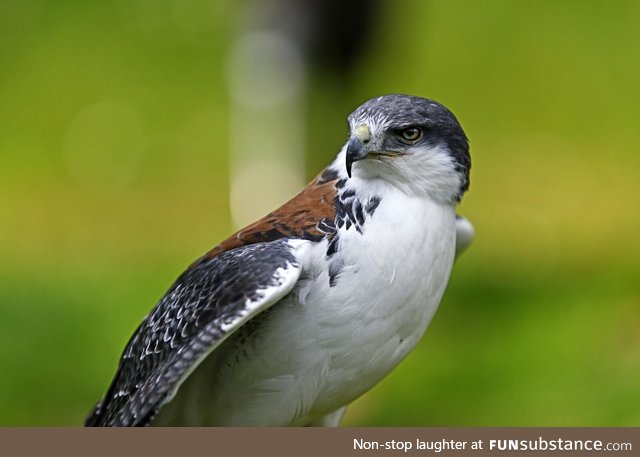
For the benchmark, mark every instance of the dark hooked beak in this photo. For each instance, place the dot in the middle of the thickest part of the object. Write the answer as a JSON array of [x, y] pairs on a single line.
[[357, 147], [355, 151]]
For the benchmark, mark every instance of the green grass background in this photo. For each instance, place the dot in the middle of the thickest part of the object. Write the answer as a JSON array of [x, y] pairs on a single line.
[[114, 177]]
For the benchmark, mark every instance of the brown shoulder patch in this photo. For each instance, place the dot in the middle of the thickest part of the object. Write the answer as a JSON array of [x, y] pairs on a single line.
[[301, 217]]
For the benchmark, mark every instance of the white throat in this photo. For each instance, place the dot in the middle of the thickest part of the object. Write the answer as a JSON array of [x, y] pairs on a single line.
[[427, 172]]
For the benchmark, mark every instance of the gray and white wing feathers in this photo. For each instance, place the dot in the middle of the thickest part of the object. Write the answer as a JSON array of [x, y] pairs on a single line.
[[206, 304], [464, 234]]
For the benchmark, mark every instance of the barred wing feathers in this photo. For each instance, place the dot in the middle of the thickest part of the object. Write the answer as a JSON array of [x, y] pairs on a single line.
[[208, 303]]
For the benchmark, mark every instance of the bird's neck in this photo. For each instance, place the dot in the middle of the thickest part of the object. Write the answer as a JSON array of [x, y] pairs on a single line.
[[433, 180]]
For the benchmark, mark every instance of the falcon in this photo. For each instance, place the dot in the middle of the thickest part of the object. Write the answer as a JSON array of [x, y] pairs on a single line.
[[292, 318]]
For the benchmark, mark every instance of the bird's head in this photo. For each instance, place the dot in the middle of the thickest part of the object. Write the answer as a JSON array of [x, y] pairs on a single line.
[[412, 142]]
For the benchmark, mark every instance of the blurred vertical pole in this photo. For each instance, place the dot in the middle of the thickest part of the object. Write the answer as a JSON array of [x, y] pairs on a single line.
[[279, 43], [267, 81]]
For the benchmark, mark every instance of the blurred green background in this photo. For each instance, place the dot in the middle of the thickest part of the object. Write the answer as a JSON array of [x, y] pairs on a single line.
[[114, 176]]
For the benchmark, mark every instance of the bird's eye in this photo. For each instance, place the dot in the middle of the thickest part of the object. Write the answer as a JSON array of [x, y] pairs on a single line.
[[411, 135]]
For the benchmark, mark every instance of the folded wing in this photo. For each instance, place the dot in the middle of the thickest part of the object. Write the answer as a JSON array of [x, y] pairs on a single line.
[[207, 303]]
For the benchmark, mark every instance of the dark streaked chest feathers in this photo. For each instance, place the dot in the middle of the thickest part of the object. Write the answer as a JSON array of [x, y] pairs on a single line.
[[319, 211]]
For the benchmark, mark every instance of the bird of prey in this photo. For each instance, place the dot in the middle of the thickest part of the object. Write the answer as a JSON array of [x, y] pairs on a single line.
[[295, 316]]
